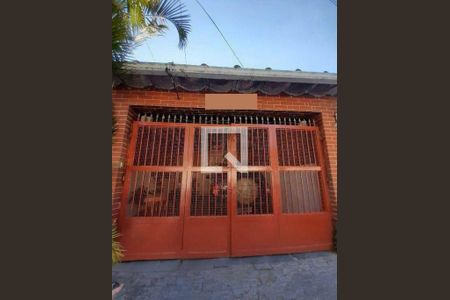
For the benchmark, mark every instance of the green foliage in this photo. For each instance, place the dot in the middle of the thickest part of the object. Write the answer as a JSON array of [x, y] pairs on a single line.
[[134, 21], [122, 38], [160, 12], [117, 250]]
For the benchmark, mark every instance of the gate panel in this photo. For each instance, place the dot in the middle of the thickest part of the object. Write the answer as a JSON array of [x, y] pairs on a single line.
[[254, 223], [305, 218], [254, 227], [153, 202], [206, 219]]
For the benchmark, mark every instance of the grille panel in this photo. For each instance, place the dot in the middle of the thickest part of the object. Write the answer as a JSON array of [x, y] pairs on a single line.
[[209, 194], [296, 147], [157, 146], [254, 193], [154, 194], [300, 192], [258, 147], [217, 148]]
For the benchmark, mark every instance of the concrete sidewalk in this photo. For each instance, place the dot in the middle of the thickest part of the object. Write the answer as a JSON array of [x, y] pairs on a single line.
[[292, 276]]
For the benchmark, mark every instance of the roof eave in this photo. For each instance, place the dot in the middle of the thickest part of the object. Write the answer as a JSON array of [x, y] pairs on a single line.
[[231, 73]]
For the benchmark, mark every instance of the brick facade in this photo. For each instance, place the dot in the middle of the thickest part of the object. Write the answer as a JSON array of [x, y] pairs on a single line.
[[124, 99]]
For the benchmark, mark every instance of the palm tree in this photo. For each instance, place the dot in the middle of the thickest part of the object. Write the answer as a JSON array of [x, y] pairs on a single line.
[[133, 21], [122, 39]]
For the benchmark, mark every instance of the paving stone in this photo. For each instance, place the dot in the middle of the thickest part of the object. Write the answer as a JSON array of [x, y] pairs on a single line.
[[297, 276], [222, 263], [267, 278], [168, 266], [263, 266], [196, 265], [148, 266], [309, 255]]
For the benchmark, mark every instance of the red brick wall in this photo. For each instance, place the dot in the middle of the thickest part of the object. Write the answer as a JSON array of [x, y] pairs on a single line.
[[123, 99]]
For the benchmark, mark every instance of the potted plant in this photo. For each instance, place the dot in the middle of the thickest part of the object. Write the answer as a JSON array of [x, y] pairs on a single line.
[[117, 254]]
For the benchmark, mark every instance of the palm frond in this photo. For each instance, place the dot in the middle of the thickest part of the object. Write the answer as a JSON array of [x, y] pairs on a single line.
[[133, 21], [117, 250], [173, 11], [122, 42], [136, 12]]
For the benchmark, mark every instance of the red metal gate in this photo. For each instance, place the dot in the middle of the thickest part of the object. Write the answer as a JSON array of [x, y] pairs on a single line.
[[174, 208]]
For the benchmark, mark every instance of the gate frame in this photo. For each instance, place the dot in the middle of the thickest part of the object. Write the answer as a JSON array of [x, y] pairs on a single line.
[[187, 168]]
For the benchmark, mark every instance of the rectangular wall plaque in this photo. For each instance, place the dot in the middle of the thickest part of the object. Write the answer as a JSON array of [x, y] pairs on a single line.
[[231, 101]]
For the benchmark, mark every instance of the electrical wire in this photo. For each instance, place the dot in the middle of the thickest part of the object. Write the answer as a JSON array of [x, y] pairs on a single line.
[[150, 50], [217, 27]]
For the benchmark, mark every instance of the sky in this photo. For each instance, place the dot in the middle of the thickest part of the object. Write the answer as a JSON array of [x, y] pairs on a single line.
[[283, 35]]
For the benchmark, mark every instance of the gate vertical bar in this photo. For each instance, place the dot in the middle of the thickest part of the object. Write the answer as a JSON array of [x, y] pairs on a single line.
[[126, 187], [186, 181], [275, 176], [323, 179]]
